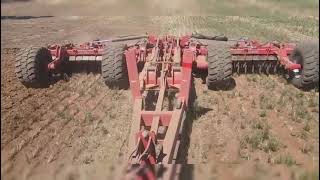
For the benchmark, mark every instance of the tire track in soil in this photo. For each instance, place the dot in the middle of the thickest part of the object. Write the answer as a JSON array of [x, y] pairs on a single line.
[[79, 129], [55, 99], [37, 155], [82, 147], [26, 159], [8, 77], [123, 124], [82, 153], [100, 131], [44, 126], [13, 91]]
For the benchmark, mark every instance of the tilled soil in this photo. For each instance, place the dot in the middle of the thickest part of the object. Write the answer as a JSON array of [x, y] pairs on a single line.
[[70, 122], [79, 129]]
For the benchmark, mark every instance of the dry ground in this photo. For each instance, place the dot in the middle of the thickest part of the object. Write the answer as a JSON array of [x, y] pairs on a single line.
[[78, 129], [261, 8]]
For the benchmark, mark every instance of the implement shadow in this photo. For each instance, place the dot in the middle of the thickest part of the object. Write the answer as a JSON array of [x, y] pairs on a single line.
[[71, 68], [192, 114]]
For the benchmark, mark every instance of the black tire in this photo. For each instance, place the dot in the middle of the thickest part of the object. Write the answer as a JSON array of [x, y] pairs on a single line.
[[219, 68], [114, 67], [307, 55], [31, 66]]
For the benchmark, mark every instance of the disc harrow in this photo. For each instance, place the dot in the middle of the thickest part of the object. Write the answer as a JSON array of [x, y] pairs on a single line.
[[253, 57], [256, 64], [158, 71]]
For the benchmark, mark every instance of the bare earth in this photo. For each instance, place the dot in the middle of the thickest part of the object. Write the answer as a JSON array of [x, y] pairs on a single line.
[[264, 128]]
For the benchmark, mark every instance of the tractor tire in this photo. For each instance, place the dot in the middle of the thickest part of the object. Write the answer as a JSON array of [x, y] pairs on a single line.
[[219, 68], [114, 67], [31, 66], [307, 55]]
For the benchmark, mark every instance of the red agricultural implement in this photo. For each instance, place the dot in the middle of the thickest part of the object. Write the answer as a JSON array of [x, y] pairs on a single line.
[[159, 71]]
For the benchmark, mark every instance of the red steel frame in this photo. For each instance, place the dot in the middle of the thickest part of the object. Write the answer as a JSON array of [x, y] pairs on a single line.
[[85, 49], [160, 73]]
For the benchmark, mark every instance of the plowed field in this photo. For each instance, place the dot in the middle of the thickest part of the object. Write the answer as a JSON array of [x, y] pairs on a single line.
[[264, 128]]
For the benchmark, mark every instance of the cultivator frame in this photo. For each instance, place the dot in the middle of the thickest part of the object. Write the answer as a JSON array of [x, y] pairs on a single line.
[[248, 50], [156, 67], [159, 74]]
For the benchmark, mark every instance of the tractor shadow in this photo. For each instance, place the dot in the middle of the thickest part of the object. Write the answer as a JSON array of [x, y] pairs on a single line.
[[226, 85], [182, 158], [193, 114], [187, 172], [84, 67]]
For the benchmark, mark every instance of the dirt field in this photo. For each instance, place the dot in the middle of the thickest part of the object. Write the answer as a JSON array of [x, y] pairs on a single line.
[[261, 8], [78, 129]]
